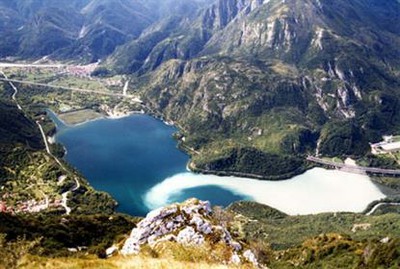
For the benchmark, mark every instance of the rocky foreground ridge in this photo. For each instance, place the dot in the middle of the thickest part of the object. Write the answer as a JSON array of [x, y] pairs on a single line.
[[190, 223]]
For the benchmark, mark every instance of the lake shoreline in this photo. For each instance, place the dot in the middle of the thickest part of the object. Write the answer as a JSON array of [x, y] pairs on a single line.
[[283, 177], [190, 165], [226, 176]]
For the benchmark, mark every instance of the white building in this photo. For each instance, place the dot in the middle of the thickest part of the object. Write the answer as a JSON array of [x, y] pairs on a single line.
[[386, 146]]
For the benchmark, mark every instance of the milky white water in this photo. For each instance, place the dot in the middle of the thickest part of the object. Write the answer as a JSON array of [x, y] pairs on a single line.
[[318, 190]]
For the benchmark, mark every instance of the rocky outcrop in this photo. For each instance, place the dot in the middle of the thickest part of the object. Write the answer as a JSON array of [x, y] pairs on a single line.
[[189, 224]]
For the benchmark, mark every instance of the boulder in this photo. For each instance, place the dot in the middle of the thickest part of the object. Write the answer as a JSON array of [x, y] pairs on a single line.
[[189, 224]]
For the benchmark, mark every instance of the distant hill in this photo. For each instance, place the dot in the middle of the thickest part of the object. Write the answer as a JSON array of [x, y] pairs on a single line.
[[85, 30]]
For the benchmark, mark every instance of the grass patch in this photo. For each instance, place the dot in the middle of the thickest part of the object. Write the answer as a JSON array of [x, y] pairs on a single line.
[[79, 116], [119, 262]]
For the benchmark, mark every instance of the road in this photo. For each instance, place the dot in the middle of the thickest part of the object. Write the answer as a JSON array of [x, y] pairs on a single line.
[[132, 97], [77, 184], [48, 147], [32, 65], [125, 89], [13, 97], [354, 169], [64, 202], [44, 137], [379, 205]]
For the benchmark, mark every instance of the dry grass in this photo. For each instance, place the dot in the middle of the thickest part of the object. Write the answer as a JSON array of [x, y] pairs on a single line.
[[165, 255], [35, 262], [284, 69], [79, 116]]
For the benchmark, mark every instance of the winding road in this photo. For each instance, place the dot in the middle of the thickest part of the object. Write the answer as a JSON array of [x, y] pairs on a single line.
[[13, 97], [77, 183], [379, 205], [64, 202]]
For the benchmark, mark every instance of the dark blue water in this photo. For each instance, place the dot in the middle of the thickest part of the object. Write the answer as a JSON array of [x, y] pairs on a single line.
[[126, 157]]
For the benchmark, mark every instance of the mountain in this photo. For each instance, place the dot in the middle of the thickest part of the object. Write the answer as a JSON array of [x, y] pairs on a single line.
[[34, 29], [108, 24], [271, 80], [84, 31], [181, 36]]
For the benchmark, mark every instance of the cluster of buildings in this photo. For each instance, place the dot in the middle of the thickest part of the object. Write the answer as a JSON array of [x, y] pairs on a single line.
[[77, 71], [81, 70], [30, 206]]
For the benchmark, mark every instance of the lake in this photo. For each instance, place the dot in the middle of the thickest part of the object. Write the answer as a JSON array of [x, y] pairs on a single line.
[[136, 160]]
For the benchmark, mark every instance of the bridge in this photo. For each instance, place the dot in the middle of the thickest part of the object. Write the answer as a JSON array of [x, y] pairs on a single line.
[[355, 169]]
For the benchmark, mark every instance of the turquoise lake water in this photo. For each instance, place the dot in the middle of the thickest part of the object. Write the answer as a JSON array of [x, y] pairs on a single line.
[[126, 157], [135, 159]]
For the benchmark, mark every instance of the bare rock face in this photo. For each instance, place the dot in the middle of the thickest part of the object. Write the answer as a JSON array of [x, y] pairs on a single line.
[[189, 224]]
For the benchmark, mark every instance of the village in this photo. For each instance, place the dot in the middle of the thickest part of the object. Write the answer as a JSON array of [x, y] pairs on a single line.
[[29, 206], [75, 70]]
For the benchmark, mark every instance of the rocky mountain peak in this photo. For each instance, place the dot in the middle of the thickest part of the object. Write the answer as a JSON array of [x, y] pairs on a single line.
[[190, 223], [224, 11]]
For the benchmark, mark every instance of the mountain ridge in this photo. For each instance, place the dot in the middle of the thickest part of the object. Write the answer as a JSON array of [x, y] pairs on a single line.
[[94, 27], [294, 60]]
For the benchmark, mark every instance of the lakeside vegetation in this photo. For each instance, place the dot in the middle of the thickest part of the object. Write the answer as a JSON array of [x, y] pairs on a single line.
[[79, 116], [250, 162], [31, 179]]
